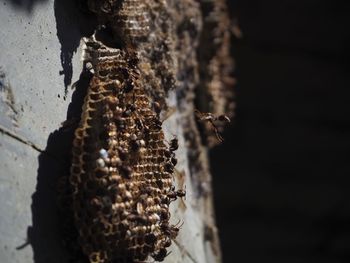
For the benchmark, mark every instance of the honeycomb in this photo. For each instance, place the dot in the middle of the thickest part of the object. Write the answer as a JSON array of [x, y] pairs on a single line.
[[121, 180], [129, 19], [121, 174]]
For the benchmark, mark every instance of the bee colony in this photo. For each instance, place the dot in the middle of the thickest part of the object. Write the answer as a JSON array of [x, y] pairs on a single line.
[[122, 173], [138, 189]]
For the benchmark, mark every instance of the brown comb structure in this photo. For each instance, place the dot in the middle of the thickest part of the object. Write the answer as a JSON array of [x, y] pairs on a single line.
[[128, 19], [121, 173], [147, 27]]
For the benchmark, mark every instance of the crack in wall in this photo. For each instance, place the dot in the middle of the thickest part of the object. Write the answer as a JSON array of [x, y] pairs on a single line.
[[20, 139]]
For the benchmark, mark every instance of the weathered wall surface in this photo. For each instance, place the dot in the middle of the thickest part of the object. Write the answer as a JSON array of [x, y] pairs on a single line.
[[33, 105], [39, 61]]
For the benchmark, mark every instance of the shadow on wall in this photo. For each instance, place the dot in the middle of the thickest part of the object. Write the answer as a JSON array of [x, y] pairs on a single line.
[[73, 21], [27, 5], [52, 235]]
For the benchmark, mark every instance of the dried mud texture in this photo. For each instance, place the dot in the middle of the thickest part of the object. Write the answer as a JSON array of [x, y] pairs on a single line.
[[121, 181]]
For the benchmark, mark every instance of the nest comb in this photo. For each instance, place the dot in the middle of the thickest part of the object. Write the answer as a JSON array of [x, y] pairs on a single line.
[[121, 174]]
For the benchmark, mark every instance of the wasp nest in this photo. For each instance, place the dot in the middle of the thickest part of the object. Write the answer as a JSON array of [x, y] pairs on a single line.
[[121, 179], [122, 170], [129, 19], [121, 173]]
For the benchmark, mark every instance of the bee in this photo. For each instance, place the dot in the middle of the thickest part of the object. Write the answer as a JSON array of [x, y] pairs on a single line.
[[211, 118], [174, 144], [161, 254]]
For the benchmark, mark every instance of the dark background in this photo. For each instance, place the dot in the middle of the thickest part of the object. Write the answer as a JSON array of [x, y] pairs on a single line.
[[281, 184]]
